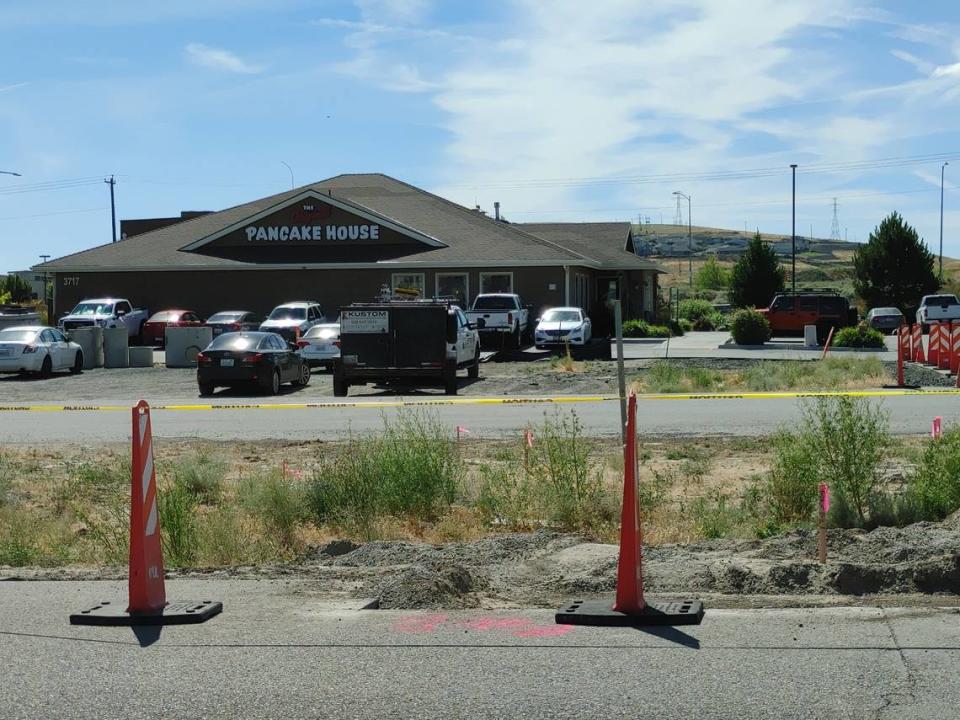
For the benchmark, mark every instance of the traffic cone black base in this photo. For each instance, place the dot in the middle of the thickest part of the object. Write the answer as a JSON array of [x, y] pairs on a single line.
[[181, 613], [601, 612]]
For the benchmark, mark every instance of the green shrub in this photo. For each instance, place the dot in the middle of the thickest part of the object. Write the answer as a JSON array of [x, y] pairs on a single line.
[[794, 479], [643, 329], [749, 327], [278, 500], [720, 321], [560, 485], [714, 516], [861, 336], [665, 377], [712, 275], [704, 324], [934, 487], [412, 468], [202, 475], [686, 325], [693, 309], [228, 536]]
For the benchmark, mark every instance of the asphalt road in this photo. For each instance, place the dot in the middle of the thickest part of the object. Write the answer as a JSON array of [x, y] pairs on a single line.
[[279, 651], [674, 418]]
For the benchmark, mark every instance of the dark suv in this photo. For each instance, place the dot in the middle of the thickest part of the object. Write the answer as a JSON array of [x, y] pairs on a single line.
[[790, 312]]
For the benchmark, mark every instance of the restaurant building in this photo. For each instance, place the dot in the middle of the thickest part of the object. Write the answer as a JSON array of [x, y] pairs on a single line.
[[348, 238]]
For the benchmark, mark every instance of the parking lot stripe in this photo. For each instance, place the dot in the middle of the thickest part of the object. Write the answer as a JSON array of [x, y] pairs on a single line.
[[557, 400]]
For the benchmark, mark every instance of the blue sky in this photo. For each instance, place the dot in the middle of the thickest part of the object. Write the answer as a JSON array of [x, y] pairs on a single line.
[[561, 110]]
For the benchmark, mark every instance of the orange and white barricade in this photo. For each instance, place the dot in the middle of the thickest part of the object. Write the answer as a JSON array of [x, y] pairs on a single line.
[[946, 346], [916, 344], [955, 355], [933, 347]]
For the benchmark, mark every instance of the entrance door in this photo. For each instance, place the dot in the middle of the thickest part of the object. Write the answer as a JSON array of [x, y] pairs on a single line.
[[608, 290]]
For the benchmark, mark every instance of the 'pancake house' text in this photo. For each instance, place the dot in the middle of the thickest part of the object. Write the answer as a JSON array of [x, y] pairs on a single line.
[[299, 233]]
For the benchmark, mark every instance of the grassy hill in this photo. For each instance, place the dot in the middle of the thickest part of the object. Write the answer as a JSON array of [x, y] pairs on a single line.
[[821, 263]]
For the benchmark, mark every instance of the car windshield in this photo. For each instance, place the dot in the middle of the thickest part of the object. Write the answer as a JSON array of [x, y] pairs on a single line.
[[165, 316], [225, 317], [90, 308], [495, 302], [886, 311], [942, 300], [561, 316], [323, 332], [13, 335], [236, 341], [288, 313]]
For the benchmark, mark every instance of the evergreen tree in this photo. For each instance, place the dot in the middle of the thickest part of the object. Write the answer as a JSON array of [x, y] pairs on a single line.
[[18, 288], [757, 276], [894, 268]]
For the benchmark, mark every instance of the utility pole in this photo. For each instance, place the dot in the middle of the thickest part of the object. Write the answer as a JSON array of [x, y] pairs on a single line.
[[942, 167], [689, 231], [46, 294], [793, 232], [113, 208]]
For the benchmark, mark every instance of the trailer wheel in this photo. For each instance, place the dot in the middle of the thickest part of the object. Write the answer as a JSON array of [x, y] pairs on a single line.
[[340, 386], [450, 378], [474, 371]]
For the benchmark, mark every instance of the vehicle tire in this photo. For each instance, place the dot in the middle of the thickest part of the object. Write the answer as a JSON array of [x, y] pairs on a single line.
[[474, 371], [340, 386], [304, 378], [272, 385], [206, 389], [450, 378], [77, 367], [46, 369]]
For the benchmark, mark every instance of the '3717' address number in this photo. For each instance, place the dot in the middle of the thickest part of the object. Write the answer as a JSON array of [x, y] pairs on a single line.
[[71, 280]]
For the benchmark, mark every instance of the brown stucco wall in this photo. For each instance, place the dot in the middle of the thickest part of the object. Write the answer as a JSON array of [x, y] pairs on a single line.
[[208, 291]]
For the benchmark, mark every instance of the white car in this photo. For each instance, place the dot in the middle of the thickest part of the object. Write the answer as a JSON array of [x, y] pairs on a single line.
[[292, 319], [321, 345], [562, 325], [39, 349]]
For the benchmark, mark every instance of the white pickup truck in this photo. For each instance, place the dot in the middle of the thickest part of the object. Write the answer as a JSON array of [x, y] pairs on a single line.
[[502, 314], [106, 313], [937, 309]]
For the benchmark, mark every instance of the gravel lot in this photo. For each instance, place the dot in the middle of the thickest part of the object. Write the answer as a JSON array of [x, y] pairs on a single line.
[[531, 377]]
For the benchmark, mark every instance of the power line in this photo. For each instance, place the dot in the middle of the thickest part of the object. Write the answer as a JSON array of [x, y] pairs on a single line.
[[62, 212]]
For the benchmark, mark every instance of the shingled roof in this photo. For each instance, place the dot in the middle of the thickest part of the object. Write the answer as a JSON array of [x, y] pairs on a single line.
[[467, 237], [609, 244]]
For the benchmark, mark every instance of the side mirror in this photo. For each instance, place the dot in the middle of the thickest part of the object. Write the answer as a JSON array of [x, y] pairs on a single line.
[[471, 326]]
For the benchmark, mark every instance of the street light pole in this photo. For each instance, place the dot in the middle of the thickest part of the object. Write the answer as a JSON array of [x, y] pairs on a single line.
[[941, 220], [689, 235], [291, 173], [793, 232]]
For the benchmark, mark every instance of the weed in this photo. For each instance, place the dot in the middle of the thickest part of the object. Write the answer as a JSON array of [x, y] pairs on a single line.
[[202, 474], [277, 500], [178, 525], [714, 516], [227, 536], [108, 529], [934, 488]]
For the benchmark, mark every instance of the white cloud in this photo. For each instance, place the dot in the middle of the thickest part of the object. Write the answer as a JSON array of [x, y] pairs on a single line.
[[947, 70], [14, 86], [921, 66], [220, 59]]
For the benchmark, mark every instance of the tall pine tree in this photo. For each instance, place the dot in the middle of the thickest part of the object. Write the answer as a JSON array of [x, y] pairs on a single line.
[[757, 276], [894, 268]]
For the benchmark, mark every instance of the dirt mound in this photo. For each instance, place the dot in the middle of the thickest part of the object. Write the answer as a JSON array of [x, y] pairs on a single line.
[[542, 569]]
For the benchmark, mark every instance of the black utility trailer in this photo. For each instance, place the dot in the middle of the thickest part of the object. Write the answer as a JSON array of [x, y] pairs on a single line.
[[397, 341]]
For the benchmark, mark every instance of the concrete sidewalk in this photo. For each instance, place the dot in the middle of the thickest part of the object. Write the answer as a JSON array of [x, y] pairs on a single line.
[[281, 649], [714, 345]]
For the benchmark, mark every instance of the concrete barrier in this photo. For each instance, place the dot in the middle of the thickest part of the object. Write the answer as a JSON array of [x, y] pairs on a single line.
[[140, 357], [116, 347], [182, 344], [90, 339]]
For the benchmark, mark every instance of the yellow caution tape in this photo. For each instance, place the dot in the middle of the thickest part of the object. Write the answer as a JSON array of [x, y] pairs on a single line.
[[436, 402]]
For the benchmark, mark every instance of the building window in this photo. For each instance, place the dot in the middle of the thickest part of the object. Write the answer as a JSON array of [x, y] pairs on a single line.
[[409, 284], [496, 282], [454, 285]]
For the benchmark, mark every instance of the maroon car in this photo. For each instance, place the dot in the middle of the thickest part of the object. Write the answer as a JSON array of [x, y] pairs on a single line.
[[155, 328]]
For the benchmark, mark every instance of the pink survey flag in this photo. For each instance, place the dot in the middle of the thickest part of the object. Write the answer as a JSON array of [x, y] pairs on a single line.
[[824, 498]]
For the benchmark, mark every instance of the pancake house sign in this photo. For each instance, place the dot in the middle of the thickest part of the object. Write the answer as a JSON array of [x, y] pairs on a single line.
[[312, 222]]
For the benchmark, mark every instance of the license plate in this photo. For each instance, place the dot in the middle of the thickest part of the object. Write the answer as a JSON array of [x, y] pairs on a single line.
[[226, 362]]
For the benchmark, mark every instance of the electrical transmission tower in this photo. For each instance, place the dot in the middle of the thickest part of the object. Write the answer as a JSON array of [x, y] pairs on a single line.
[[835, 224], [678, 217]]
